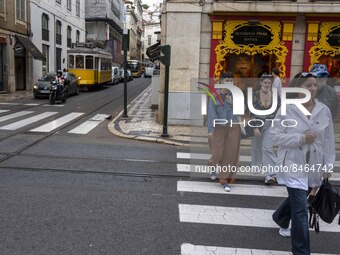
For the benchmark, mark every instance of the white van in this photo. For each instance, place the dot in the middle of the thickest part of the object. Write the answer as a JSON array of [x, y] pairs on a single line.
[[115, 76], [148, 71]]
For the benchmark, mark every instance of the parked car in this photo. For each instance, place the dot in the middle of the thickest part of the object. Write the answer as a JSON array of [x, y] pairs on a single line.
[[129, 75], [115, 77], [42, 87]]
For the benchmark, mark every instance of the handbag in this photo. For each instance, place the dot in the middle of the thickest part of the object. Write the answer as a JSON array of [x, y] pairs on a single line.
[[325, 204]]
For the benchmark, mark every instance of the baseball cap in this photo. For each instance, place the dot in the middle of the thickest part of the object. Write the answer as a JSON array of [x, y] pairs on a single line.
[[320, 70]]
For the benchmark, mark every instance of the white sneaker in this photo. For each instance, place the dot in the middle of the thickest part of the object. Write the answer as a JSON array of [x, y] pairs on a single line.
[[213, 176], [226, 187], [285, 232]]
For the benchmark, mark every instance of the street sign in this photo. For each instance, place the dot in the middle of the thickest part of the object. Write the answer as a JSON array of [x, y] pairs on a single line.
[[18, 48]]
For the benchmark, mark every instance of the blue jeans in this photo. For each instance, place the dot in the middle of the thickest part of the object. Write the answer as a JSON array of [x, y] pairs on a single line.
[[295, 208]]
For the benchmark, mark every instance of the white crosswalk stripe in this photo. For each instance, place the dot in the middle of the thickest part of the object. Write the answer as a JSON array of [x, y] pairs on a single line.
[[57, 123], [202, 156], [190, 249], [227, 215], [234, 216], [28, 121], [21, 119], [14, 115], [243, 172], [87, 126]]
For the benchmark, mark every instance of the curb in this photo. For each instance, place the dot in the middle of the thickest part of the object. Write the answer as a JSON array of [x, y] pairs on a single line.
[[115, 131]]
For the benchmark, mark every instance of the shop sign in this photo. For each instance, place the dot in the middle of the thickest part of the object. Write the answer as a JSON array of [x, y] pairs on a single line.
[[334, 38], [252, 34], [18, 48]]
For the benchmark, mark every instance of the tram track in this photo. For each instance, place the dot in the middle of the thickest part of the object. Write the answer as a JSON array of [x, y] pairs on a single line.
[[108, 100]]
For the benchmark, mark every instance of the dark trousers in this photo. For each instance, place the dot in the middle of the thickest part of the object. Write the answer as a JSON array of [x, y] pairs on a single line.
[[294, 208]]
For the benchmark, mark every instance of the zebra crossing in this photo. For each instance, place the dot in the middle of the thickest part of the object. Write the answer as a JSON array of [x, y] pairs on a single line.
[[240, 216], [25, 118]]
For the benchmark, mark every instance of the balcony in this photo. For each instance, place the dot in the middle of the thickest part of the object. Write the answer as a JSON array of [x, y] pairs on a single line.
[[45, 34], [58, 39]]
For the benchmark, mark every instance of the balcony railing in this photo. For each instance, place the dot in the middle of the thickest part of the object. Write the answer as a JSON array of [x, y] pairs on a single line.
[[58, 38], [45, 34]]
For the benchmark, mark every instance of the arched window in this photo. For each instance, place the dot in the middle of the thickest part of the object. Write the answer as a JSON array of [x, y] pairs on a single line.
[[69, 36], [58, 32], [45, 33]]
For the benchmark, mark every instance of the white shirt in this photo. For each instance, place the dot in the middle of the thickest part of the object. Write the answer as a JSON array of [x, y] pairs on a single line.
[[277, 84], [292, 151]]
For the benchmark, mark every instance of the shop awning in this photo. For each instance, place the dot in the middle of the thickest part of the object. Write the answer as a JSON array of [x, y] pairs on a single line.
[[29, 46], [153, 51]]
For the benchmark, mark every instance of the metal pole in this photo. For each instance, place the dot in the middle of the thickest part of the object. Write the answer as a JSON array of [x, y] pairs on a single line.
[[166, 96], [125, 76]]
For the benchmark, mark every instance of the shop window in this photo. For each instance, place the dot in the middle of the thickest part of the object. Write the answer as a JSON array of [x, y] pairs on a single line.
[[80, 61], [71, 61], [89, 62]]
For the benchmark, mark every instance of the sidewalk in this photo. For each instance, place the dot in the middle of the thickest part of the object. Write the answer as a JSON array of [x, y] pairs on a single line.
[[141, 125], [6, 97]]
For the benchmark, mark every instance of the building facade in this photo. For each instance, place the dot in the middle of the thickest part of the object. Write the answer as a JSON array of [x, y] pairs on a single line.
[[16, 48], [150, 36], [133, 12], [104, 23], [56, 24], [244, 37]]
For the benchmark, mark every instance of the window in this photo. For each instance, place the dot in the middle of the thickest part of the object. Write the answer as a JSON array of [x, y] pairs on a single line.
[[45, 63], [77, 36], [71, 61], [58, 32], [58, 58], [89, 62], [58, 1], [44, 25], [149, 40], [80, 61], [2, 6], [69, 37], [20, 9], [78, 8], [69, 5]]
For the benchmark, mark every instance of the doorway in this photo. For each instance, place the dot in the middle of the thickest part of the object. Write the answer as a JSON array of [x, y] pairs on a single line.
[[20, 70]]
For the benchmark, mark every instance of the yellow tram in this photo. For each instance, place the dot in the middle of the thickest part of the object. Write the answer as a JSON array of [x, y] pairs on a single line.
[[92, 65]]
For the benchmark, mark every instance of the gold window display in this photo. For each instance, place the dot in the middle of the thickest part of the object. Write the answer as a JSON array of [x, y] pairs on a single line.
[[327, 49], [258, 43]]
